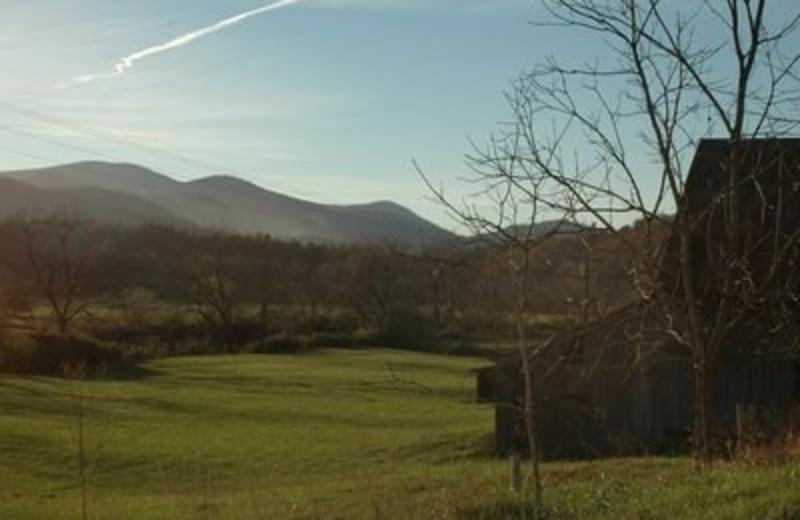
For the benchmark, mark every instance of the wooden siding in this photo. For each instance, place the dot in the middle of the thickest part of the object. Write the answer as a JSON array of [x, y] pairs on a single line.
[[648, 410]]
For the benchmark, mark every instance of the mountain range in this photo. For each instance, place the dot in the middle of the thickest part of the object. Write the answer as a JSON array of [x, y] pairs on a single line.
[[128, 194]]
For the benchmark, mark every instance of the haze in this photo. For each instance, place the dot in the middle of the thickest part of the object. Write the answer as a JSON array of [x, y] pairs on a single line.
[[327, 100]]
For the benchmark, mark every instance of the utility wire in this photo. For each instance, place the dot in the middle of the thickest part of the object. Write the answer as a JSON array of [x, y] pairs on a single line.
[[59, 143], [109, 136], [28, 155]]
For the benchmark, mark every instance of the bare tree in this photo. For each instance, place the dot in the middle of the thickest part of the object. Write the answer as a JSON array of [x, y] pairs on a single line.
[[437, 269], [609, 142], [59, 263], [511, 226], [377, 280], [212, 293]]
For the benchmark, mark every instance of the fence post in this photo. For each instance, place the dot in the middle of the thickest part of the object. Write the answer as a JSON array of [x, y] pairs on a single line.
[[740, 428], [516, 475]]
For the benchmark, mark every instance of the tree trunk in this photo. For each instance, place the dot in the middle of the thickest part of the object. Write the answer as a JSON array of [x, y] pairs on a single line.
[[703, 385], [62, 323], [529, 411], [529, 403]]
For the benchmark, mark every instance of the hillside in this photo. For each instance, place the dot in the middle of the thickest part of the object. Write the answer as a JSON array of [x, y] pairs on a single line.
[[542, 229], [19, 199], [130, 194]]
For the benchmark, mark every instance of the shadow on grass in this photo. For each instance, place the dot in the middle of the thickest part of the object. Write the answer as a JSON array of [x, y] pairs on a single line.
[[511, 510], [119, 372], [126, 372]]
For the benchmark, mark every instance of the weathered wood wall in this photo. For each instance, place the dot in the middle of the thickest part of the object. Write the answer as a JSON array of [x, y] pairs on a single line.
[[616, 409]]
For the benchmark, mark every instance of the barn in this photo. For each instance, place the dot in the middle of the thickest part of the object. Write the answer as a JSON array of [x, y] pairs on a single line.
[[621, 384], [616, 389]]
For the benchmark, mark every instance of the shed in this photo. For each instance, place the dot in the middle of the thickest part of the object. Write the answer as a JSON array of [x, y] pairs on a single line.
[[621, 385]]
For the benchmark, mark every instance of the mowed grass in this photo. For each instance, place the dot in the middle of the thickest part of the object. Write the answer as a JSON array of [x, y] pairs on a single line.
[[330, 434]]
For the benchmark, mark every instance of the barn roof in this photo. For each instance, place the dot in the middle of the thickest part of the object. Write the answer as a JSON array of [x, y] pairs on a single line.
[[766, 182], [766, 164], [765, 160]]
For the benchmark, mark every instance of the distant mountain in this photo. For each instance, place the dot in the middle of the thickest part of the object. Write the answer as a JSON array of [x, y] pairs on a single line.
[[130, 194], [19, 199], [539, 230]]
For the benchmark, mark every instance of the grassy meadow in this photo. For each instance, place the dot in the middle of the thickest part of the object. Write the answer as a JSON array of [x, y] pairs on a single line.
[[329, 434]]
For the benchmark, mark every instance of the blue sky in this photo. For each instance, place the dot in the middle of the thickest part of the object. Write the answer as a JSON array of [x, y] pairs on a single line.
[[328, 100], [323, 99]]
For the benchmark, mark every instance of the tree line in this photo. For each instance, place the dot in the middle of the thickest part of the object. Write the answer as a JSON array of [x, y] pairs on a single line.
[[72, 275]]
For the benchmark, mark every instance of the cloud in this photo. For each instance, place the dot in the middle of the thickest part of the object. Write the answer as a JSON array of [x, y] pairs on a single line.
[[461, 5], [125, 63]]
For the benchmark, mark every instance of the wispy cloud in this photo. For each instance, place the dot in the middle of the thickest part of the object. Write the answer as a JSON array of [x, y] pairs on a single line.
[[126, 62], [460, 5]]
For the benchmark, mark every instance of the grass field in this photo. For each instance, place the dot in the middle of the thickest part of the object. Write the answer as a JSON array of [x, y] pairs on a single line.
[[330, 434]]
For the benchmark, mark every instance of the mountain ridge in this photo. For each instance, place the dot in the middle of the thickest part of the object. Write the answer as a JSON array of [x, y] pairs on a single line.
[[215, 202]]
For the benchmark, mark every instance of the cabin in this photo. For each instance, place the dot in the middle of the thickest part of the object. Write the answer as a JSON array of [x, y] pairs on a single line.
[[622, 385]]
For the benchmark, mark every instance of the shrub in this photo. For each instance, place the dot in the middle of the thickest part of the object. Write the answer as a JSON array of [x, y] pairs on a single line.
[[235, 336], [336, 321], [51, 354], [365, 337], [282, 343], [332, 339], [407, 328], [177, 333]]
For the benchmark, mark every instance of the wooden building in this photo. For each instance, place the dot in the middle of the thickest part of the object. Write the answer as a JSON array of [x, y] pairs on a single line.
[[621, 384], [625, 390]]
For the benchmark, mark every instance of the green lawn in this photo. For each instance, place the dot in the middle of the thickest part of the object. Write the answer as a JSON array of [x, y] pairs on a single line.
[[331, 434]]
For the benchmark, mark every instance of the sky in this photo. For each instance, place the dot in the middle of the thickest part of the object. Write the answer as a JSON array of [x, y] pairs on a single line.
[[327, 100]]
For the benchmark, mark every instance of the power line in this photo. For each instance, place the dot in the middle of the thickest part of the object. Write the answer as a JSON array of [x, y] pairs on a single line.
[[28, 155], [59, 143], [109, 136]]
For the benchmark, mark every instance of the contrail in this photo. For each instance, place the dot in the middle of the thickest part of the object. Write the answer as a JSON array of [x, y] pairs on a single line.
[[128, 61]]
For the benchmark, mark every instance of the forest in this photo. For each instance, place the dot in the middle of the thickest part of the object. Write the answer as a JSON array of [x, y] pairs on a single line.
[[151, 291]]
